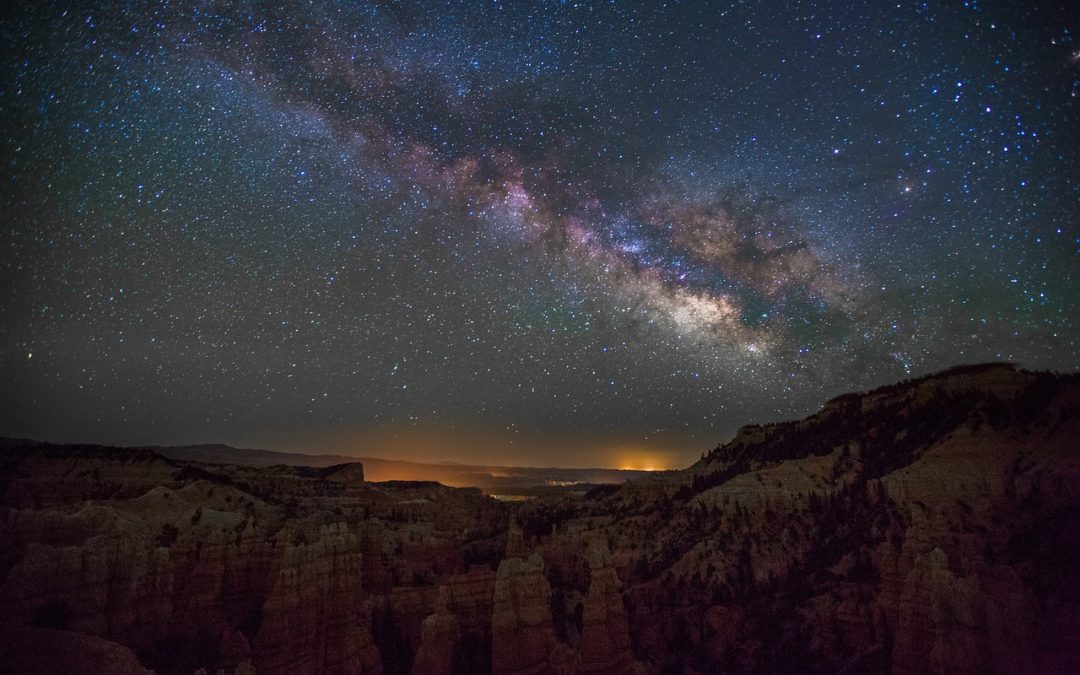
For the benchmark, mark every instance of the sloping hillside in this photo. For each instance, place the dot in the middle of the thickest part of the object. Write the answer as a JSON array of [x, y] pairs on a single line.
[[931, 525]]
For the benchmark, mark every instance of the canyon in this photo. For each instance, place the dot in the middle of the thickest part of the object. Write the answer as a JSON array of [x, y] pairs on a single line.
[[932, 525]]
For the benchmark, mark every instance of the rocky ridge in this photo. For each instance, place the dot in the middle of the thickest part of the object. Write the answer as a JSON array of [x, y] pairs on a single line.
[[928, 526]]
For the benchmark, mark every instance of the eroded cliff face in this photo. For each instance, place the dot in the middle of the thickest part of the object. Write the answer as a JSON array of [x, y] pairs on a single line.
[[605, 634], [224, 567], [171, 579], [930, 526], [522, 634], [439, 634], [314, 619]]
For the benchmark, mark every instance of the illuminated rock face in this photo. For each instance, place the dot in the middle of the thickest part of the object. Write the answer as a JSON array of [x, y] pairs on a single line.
[[194, 572], [522, 635], [313, 620], [198, 584]]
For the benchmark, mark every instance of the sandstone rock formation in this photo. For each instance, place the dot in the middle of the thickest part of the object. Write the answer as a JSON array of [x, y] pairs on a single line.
[[522, 635], [605, 636], [439, 635], [215, 567], [312, 621], [928, 526], [915, 528]]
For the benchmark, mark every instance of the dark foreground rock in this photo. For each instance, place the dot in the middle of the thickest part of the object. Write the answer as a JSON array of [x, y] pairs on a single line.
[[929, 526]]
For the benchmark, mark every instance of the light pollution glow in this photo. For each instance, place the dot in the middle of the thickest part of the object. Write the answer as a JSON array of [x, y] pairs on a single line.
[[478, 446]]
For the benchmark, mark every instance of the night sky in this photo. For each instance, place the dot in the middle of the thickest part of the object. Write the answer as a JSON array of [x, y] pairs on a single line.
[[527, 233]]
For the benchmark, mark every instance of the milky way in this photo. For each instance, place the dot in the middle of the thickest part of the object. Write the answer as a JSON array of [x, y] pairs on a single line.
[[575, 226]]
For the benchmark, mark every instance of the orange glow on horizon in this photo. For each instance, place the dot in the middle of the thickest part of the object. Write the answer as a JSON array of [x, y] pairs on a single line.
[[493, 449], [641, 459]]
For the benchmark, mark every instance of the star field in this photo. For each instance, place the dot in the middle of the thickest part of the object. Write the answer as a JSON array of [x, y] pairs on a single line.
[[549, 231]]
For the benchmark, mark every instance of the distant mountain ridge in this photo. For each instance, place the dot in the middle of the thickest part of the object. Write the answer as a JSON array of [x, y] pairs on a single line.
[[501, 480], [219, 453]]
